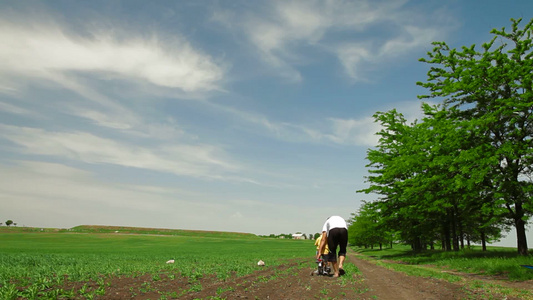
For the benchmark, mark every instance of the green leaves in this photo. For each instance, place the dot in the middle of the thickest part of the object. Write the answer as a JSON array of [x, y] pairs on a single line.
[[473, 151]]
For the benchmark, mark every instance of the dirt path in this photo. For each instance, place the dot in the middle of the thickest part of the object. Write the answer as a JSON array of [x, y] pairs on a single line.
[[386, 284], [383, 283]]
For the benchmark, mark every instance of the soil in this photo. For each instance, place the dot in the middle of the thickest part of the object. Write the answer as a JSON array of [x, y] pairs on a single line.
[[294, 281]]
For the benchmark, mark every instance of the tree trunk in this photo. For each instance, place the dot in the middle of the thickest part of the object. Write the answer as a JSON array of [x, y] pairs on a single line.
[[446, 245], [483, 240], [460, 229], [451, 241], [520, 225], [447, 239], [461, 234], [455, 237], [418, 244]]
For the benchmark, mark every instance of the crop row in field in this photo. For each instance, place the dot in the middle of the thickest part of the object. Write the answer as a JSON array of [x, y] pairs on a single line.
[[36, 265]]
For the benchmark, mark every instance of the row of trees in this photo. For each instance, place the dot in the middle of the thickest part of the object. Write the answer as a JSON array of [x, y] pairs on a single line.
[[290, 235], [464, 171]]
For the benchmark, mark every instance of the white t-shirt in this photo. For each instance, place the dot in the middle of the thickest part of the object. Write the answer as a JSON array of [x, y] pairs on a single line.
[[334, 222]]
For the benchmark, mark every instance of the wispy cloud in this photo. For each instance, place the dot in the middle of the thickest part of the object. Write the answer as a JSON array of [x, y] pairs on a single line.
[[355, 57], [333, 130], [39, 50], [359, 132], [205, 161], [14, 109], [364, 131], [95, 66], [282, 30]]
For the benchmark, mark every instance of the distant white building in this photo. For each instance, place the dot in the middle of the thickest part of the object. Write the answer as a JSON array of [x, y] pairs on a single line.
[[299, 236]]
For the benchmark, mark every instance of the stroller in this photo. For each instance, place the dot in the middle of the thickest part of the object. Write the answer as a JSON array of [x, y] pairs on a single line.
[[323, 268]]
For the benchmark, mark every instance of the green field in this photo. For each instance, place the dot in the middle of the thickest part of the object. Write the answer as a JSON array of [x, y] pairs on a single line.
[[80, 263], [35, 264]]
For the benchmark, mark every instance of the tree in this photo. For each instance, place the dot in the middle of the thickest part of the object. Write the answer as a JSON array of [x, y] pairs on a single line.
[[366, 228], [392, 167], [462, 200], [427, 191], [493, 91], [9, 222]]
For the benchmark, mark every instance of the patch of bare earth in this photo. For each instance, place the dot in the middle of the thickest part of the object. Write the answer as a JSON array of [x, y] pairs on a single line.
[[292, 280], [384, 283], [288, 281]]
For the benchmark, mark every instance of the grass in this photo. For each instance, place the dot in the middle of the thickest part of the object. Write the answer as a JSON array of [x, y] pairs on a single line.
[[496, 261], [34, 263]]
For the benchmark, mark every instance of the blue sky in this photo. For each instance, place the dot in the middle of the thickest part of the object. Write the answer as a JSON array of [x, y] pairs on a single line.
[[248, 116]]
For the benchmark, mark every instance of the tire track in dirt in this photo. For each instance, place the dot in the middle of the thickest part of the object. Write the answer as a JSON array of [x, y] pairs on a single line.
[[387, 284]]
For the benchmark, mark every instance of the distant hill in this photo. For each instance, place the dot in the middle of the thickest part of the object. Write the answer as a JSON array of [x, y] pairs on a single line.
[[131, 230], [158, 231]]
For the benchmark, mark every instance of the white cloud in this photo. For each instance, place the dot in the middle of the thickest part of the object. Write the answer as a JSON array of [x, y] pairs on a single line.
[[95, 67], [351, 57], [40, 50], [358, 132], [280, 30], [191, 160], [356, 56], [106, 112], [412, 37], [14, 109], [363, 131], [102, 119]]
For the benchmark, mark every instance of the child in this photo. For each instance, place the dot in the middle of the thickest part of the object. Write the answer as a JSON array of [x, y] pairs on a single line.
[[324, 267], [317, 244]]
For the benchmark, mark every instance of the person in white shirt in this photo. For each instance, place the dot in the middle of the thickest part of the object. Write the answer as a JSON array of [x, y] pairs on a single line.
[[335, 233]]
